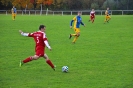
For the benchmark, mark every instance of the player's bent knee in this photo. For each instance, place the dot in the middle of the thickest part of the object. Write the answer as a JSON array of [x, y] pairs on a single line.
[[78, 35], [46, 57], [35, 57]]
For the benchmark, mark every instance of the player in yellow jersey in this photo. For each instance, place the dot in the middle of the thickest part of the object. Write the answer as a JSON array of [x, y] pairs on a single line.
[[14, 11], [77, 21], [107, 15]]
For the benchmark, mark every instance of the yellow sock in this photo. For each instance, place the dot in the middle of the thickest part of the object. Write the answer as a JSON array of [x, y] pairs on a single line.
[[73, 34], [105, 20], [108, 19], [75, 39]]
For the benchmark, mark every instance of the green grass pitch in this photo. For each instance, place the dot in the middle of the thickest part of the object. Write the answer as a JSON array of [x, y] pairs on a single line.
[[101, 58]]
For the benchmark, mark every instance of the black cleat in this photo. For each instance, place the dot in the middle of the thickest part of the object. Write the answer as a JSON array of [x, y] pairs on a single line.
[[70, 36], [54, 67]]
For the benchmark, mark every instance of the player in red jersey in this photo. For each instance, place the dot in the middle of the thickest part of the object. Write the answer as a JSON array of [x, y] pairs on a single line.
[[92, 16], [41, 41]]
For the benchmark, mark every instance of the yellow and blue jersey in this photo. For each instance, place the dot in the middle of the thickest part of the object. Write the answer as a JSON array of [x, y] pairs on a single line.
[[14, 10], [77, 21], [107, 12]]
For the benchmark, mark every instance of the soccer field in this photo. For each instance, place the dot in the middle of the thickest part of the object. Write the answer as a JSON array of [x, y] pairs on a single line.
[[102, 57]]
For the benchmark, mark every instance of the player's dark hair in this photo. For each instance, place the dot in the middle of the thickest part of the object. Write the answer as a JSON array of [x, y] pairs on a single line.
[[41, 26]]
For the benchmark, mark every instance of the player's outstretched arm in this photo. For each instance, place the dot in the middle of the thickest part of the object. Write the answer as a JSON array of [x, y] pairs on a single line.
[[22, 33], [82, 24], [47, 44], [71, 23]]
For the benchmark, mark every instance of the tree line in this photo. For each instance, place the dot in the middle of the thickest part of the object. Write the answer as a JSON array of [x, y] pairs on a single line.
[[67, 4]]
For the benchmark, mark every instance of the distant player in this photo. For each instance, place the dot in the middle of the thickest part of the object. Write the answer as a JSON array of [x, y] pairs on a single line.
[[41, 41], [77, 21], [92, 16], [107, 16], [14, 11]]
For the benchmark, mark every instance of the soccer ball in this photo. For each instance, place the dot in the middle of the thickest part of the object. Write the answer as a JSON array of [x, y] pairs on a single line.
[[65, 69]]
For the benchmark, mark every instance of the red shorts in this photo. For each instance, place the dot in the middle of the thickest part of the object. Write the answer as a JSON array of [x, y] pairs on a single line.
[[92, 17], [40, 51]]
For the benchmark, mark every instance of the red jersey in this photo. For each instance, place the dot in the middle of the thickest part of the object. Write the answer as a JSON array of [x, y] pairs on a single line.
[[39, 38], [92, 13]]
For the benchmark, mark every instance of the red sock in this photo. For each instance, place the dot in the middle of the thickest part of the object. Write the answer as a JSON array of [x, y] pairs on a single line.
[[50, 63], [27, 60]]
